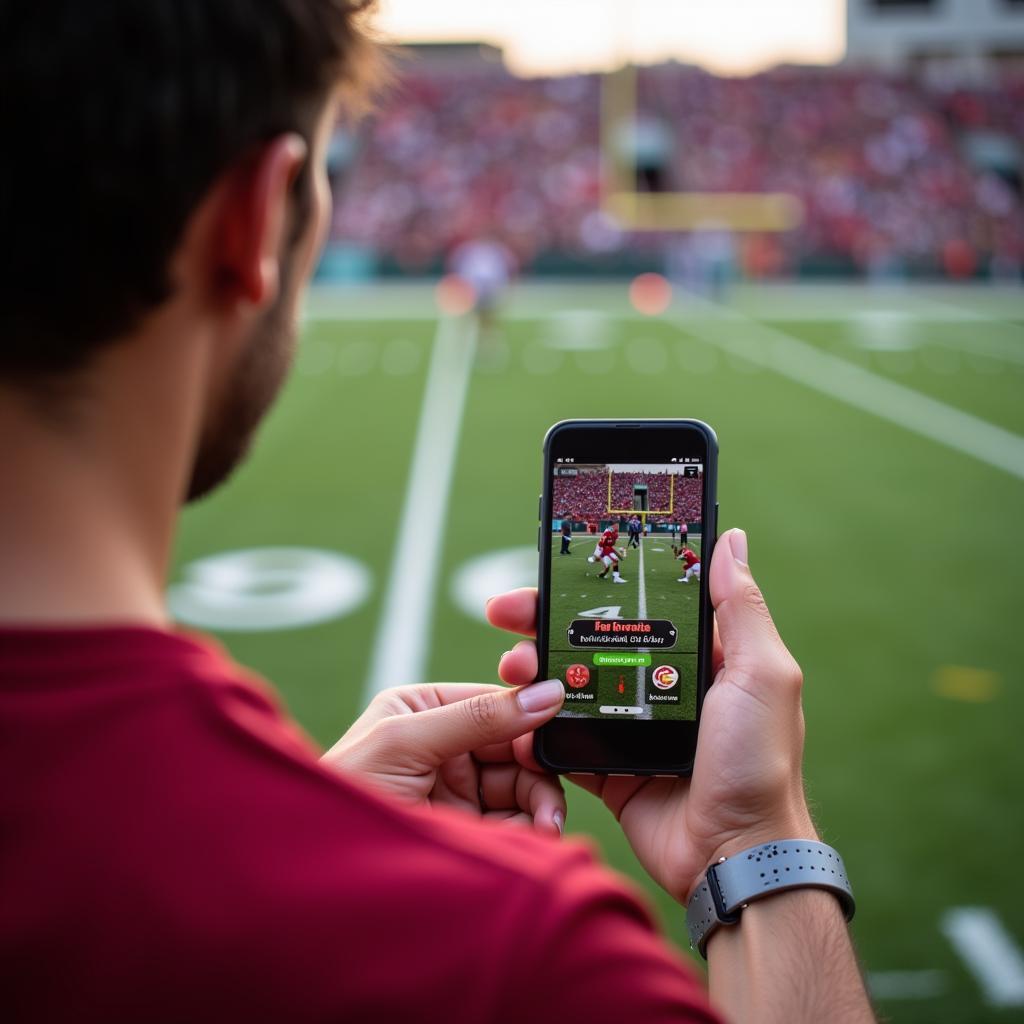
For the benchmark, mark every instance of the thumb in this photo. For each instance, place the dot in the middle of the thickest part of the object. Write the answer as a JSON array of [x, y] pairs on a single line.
[[750, 641], [494, 716]]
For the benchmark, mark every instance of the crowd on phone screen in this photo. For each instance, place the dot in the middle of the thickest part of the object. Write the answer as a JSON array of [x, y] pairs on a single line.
[[893, 173], [584, 497]]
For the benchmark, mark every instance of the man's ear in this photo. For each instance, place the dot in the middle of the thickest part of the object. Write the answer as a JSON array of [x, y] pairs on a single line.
[[253, 221]]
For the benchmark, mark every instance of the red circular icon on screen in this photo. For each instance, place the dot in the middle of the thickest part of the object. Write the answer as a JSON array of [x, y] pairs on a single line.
[[665, 677], [577, 676]]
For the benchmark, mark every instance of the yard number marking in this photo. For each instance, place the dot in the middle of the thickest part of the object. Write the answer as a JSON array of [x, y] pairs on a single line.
[[259, 589], [611, 611]]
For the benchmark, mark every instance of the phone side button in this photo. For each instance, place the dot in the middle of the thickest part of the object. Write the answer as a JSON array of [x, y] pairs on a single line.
[[538, 538]]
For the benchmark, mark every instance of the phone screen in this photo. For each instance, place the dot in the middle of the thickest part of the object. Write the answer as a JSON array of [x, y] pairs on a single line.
[[625, 588]]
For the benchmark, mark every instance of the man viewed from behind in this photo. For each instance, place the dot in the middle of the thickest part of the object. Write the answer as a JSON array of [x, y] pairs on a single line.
[[172, 847]]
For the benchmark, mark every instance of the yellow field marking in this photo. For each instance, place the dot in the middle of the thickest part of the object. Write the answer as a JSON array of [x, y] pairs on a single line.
[[966, 683]]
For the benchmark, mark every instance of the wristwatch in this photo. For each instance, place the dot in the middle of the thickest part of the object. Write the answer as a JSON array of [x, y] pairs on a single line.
[[735, 881]]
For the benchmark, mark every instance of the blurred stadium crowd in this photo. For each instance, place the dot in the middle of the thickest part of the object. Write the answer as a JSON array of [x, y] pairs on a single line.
[[896, 176], [584, 497]]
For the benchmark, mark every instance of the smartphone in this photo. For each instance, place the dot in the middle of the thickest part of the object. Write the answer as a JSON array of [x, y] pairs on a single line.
[[628, 520]]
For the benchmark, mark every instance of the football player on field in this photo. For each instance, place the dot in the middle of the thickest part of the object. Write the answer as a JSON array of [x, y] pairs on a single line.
[[609, 537], [692, 561], [609, 554]]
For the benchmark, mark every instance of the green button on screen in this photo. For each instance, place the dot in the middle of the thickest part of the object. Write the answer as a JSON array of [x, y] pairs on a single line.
[[622, 658]]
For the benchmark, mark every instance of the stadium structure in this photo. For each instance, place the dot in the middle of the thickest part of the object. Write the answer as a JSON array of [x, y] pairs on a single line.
[[947, 39], [872, 167]]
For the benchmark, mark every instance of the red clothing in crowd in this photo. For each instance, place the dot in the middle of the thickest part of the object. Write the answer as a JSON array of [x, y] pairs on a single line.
[[171, 850]]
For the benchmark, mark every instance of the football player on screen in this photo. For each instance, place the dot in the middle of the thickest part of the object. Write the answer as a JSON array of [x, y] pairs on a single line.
[[691, 560], [609, 555]]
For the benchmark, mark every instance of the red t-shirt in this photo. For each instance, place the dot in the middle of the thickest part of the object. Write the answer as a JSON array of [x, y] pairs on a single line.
[[689, 558], [171, 850]]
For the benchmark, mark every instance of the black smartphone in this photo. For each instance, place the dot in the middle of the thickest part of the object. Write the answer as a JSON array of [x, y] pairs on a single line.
[[628, 520]]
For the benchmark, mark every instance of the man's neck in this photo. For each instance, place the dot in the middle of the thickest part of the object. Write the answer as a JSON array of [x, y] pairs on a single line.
[[91, 494]]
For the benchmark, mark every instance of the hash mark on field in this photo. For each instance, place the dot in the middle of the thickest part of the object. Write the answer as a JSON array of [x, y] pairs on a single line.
[[989, 953], [926, 984]]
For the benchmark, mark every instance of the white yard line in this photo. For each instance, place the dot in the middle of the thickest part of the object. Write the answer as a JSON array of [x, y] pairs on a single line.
[[775, 350], [989, 953], [401, 646], [642, 592], [641, 614]]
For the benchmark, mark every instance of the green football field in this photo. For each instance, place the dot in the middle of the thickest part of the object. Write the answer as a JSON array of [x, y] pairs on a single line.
[[871, 446], [652, 590]]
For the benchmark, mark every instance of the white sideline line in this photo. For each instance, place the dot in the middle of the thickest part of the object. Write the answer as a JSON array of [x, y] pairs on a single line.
[[955, 311], [641, 614], [400, 648], [989, 953], [775, 350]]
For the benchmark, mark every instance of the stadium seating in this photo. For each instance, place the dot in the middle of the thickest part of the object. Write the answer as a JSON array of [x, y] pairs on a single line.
[[880, 162], [581, 498], [585, 497]]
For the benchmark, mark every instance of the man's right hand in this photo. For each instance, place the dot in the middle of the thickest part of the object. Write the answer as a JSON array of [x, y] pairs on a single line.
[[747, 786]]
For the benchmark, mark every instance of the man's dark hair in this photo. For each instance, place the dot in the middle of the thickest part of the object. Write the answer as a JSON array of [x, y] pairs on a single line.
[[118, 115]]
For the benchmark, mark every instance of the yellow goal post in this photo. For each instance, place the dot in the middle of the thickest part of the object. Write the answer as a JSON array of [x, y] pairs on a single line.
[[643, 513], [675, 211]]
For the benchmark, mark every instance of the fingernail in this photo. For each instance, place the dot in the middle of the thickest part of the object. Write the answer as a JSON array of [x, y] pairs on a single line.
[[559, 819], [489, 600], [504, 655], [541, 696], [738, 544]]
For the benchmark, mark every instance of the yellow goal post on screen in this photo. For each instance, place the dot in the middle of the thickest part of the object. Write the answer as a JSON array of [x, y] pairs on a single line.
[[643, 513]]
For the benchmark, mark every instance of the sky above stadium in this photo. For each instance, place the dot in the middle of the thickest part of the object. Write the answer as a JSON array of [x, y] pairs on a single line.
[[561, 36]]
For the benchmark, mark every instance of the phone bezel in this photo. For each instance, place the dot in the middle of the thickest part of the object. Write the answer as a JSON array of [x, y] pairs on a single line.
[[614, 746]]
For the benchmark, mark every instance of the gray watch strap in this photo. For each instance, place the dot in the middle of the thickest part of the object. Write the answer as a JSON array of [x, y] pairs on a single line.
[[734, 882]]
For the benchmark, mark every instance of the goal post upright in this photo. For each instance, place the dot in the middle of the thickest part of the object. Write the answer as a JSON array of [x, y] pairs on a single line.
[[644, 512], [762, 212]]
